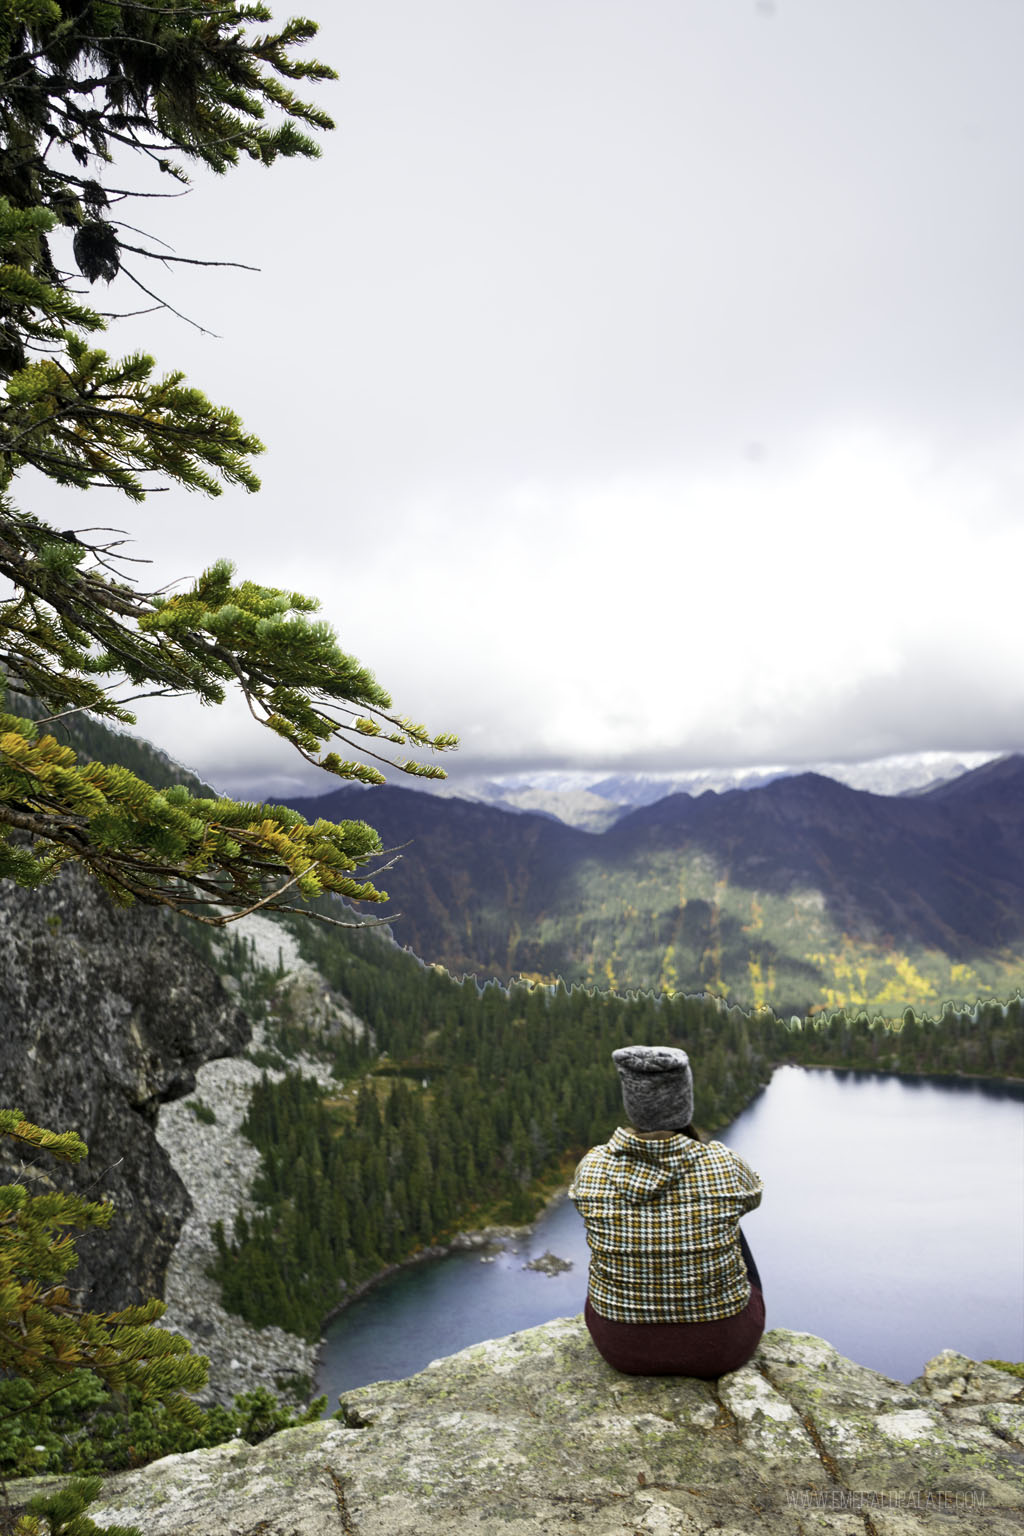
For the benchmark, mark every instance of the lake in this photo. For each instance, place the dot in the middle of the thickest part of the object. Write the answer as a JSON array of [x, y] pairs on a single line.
[[892, 1225]]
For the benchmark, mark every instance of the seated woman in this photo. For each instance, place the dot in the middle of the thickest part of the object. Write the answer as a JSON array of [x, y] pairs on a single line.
[[673, 1288]]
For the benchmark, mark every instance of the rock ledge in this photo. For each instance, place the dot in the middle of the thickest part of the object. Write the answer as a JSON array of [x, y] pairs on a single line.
[[536, 1434]]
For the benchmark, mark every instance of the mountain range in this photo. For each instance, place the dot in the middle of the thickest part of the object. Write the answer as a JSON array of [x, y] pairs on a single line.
[[802, 893], [595, 800], [798, 891]]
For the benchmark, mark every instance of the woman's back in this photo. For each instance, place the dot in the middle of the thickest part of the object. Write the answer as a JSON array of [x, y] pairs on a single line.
[[662, 1215], [673, 1288]]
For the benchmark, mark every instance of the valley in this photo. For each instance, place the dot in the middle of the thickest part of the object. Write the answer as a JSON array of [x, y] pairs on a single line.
[[803, 895], [386, 1105]]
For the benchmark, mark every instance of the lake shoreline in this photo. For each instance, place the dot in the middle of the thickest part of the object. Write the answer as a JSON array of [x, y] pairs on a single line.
[[462, 1242], [502, 1235], [931, 1076], [887, 1143]]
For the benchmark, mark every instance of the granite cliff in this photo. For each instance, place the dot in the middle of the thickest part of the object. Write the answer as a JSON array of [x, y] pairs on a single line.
[[535, 1433], [105, 1014], [112, 1025], [241, 1356]]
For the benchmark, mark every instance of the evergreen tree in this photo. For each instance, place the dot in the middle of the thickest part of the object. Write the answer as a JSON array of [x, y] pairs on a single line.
[[44, 1337], [172, 83]]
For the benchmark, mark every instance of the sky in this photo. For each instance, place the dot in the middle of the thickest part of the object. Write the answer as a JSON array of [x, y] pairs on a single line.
[[643, 383]]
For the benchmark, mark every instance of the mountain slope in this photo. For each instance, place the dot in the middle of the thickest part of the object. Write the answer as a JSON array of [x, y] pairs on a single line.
[[469, 875], [937, 869], [802, 893]]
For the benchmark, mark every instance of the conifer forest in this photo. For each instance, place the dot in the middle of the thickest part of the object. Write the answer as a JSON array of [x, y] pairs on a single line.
[[476, 1102]]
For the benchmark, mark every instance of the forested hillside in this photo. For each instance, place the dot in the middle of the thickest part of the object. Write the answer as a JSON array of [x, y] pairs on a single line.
[[475, 1100], [802, 894], [482, 1099]]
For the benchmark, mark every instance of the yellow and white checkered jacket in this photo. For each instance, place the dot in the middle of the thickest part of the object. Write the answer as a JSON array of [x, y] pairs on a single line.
[[662, 1219]]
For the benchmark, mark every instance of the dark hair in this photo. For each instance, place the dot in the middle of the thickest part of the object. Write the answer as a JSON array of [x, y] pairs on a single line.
[[675, 1130]]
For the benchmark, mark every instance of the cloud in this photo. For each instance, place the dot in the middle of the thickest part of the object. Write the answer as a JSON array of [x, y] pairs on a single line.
[[849, 603], [642, 384]]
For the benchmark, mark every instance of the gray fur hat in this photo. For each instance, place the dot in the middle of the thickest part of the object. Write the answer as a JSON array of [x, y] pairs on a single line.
[[657, 1086]]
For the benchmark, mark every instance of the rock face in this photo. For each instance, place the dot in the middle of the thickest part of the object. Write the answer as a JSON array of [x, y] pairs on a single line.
[[217, 1165], [535, 1433], [104, 1015]]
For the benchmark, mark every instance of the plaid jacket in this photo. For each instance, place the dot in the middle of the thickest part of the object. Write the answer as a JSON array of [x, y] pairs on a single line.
[[662, 1219]]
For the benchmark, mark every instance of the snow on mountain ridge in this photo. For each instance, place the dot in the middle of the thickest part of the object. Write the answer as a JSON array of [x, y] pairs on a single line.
[[593, 799]]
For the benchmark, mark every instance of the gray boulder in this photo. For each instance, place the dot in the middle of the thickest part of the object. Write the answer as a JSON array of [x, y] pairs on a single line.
[[536, 1434]]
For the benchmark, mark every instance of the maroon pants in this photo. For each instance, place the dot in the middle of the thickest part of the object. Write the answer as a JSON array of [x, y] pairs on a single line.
[[680, 1349]]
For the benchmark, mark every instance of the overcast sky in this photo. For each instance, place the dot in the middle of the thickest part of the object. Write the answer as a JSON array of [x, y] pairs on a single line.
[[643, 383]]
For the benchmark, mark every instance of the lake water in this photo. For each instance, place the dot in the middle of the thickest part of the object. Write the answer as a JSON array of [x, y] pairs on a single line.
[[892, 1225]]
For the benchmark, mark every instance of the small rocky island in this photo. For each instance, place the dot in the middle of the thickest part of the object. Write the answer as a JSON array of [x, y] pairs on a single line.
[[549, 1264], [536, 1434]]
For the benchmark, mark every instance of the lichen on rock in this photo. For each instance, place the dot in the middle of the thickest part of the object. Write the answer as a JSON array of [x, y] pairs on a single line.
[[535, 1433]]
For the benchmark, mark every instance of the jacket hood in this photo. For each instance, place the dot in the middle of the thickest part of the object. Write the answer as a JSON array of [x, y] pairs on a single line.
[[643, 1169]]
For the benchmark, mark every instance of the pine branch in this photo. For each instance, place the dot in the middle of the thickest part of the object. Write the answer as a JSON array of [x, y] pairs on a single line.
[[175, 86]]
